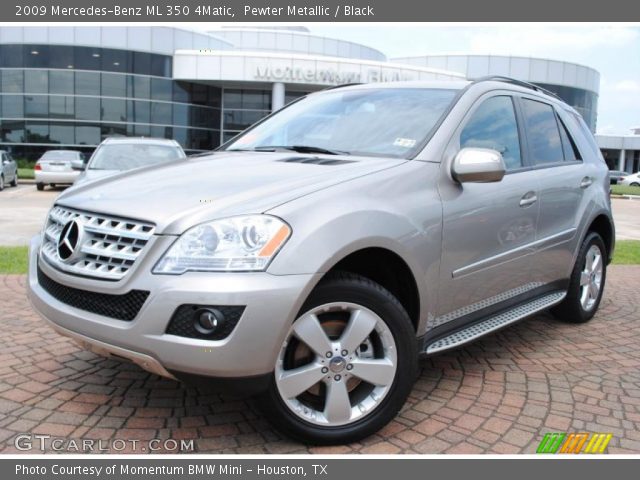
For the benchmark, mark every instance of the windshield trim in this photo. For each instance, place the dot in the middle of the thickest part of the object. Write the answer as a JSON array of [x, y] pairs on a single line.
[[409, 155]]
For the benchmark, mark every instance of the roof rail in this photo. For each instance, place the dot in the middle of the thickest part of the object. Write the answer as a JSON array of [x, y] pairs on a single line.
[[331, 87], [521, 83]]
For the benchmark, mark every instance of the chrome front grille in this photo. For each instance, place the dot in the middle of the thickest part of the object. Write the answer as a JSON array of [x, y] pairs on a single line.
[[107, 249]]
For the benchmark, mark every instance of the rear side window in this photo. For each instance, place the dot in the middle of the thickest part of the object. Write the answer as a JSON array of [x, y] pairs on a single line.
[[493, 125], [545, 144], [586, 133], [569, 148]]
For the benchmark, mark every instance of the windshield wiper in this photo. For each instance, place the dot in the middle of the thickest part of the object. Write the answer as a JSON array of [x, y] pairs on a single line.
[[300, 149]]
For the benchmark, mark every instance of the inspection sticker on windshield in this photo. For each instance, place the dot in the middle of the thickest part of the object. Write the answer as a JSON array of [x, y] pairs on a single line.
[[404, 142]]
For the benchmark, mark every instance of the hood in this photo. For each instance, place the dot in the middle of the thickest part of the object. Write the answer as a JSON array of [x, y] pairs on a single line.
[[178, 195], [91, 175]]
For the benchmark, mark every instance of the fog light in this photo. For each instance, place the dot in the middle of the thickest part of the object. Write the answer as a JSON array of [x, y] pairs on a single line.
[[207, 320]]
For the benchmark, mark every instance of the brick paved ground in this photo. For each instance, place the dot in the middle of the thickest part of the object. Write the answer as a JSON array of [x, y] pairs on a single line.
[[498, 395]]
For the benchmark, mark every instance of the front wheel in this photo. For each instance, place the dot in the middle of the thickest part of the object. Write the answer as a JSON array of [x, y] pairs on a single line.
[[14, 182], [586, 284], [635, 184], [347, 363]]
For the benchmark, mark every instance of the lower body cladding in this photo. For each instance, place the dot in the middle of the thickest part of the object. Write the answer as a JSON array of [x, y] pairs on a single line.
[[268, 305]]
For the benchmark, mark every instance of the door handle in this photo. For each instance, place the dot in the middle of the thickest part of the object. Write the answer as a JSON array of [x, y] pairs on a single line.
[[528, 198], [586, 182]]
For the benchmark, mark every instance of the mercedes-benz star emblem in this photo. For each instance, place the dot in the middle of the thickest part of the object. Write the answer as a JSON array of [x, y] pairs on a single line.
[[69, 240]]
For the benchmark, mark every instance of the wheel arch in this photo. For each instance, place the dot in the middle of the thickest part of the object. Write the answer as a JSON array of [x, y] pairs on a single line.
[[387, 268], [603, 226]]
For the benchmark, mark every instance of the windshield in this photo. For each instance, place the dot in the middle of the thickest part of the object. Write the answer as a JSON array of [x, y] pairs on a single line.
[[132, 155], [60, 155], [381, 122]]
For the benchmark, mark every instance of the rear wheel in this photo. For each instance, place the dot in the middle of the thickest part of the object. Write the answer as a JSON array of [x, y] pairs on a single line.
[[40, 186], [347, 364], [635, 184], [586, 284]]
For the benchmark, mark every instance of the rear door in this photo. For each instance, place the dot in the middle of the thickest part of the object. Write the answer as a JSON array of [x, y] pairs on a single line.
[[488, 228], [563, 180]]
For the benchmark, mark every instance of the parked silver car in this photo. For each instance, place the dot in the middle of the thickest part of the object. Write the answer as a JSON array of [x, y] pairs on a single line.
[[8, 170], [315, 257], [120, 154], [58, 167]]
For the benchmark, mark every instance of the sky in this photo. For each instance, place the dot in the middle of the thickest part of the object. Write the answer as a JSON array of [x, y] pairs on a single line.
[[613, 50]]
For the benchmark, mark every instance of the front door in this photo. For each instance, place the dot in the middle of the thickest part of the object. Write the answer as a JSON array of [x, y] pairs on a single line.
[[488, 228]]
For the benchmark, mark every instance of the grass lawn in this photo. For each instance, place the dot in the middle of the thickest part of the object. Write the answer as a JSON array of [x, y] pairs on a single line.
[[13, 260], [625, 190], [25, 173], [627, 252]]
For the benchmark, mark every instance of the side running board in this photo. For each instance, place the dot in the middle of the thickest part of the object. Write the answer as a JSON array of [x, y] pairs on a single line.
[[494, 323]]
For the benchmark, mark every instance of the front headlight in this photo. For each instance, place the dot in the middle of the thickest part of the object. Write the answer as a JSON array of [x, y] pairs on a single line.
[[245, 243]]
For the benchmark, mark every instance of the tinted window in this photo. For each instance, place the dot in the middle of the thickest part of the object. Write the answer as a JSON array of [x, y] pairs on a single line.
[[36, 106], [138, 111], [12, 106], [114, 85], [60, 82], [493, 125], [545, 145], [36, 81], [62, 133], [161, 113], [61, 107], [161, 89], [87, 83], [62, 57], [114, 110], [12, 81], [87, 108], [37, 132], [88, 135], [569, 148]]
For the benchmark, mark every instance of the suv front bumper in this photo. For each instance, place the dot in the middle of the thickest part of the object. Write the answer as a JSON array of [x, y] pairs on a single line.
[[251, 349]]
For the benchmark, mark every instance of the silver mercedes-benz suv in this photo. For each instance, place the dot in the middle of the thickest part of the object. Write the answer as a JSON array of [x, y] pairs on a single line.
[[315, 257]]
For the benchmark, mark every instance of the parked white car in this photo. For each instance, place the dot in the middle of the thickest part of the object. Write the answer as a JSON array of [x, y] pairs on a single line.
[[631, 179], [120, 154], [58, 167]]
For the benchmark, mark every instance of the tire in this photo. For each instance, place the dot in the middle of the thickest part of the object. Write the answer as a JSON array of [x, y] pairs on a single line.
[[339, 302], [1, 182], [580, 306], [635, 184], [40, 186], [14, 182]]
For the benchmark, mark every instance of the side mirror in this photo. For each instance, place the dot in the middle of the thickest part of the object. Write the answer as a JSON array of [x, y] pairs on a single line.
[[479, 165], [78, 165]]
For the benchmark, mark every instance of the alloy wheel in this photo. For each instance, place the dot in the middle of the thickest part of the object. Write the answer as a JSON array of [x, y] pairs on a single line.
[[337, 364], [591, 278]]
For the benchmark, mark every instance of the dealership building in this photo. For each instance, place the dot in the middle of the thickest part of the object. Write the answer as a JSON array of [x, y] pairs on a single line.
[[71, 87]]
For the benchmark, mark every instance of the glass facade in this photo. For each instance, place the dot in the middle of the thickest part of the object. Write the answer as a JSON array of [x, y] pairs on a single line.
[[74, 97], [243, 108], [584, 101]]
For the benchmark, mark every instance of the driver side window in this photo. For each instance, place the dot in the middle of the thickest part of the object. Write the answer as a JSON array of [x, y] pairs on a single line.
[[493, 125]]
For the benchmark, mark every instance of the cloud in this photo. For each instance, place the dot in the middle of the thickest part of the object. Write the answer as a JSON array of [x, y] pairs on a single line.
[[546, 41], [629, 86]]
